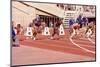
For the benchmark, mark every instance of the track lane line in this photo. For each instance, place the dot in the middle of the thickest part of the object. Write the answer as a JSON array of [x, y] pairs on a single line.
[[91, 41], [81, 47]]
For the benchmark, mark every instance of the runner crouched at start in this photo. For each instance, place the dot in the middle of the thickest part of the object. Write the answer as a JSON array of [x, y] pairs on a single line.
[[89, 31], [75, 30], [56, 28]]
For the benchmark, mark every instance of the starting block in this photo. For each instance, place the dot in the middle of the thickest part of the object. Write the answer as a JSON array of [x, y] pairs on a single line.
[[29, 32], [61, 30], [46, 31]]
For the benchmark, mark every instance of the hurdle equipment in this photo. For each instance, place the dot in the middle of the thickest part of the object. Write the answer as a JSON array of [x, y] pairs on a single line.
[[61, 30], [46, 31], [29, 32]]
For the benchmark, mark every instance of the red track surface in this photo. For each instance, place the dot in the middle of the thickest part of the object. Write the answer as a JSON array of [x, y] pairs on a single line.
[[63, 44]]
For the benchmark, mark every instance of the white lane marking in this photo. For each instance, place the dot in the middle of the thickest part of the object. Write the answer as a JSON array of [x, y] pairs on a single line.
[[87, 46], [85, 41], [81, 47], [92, 46], [91, 41]]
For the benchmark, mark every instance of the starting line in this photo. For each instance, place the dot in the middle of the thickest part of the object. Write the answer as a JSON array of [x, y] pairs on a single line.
[[81, 47]]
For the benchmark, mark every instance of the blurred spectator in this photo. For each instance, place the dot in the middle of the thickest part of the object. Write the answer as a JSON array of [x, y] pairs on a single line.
[[85, 21], [71, 22], [79, 20]]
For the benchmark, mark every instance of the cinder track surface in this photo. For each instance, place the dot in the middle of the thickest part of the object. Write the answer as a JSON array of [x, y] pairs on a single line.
[[63, 45]]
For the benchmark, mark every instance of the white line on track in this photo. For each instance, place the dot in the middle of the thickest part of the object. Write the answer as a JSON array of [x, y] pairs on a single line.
[[87, 46], [91, 41], [81, 47]]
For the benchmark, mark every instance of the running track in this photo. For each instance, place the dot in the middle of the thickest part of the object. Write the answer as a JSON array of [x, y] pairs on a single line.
[[64, 44]]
